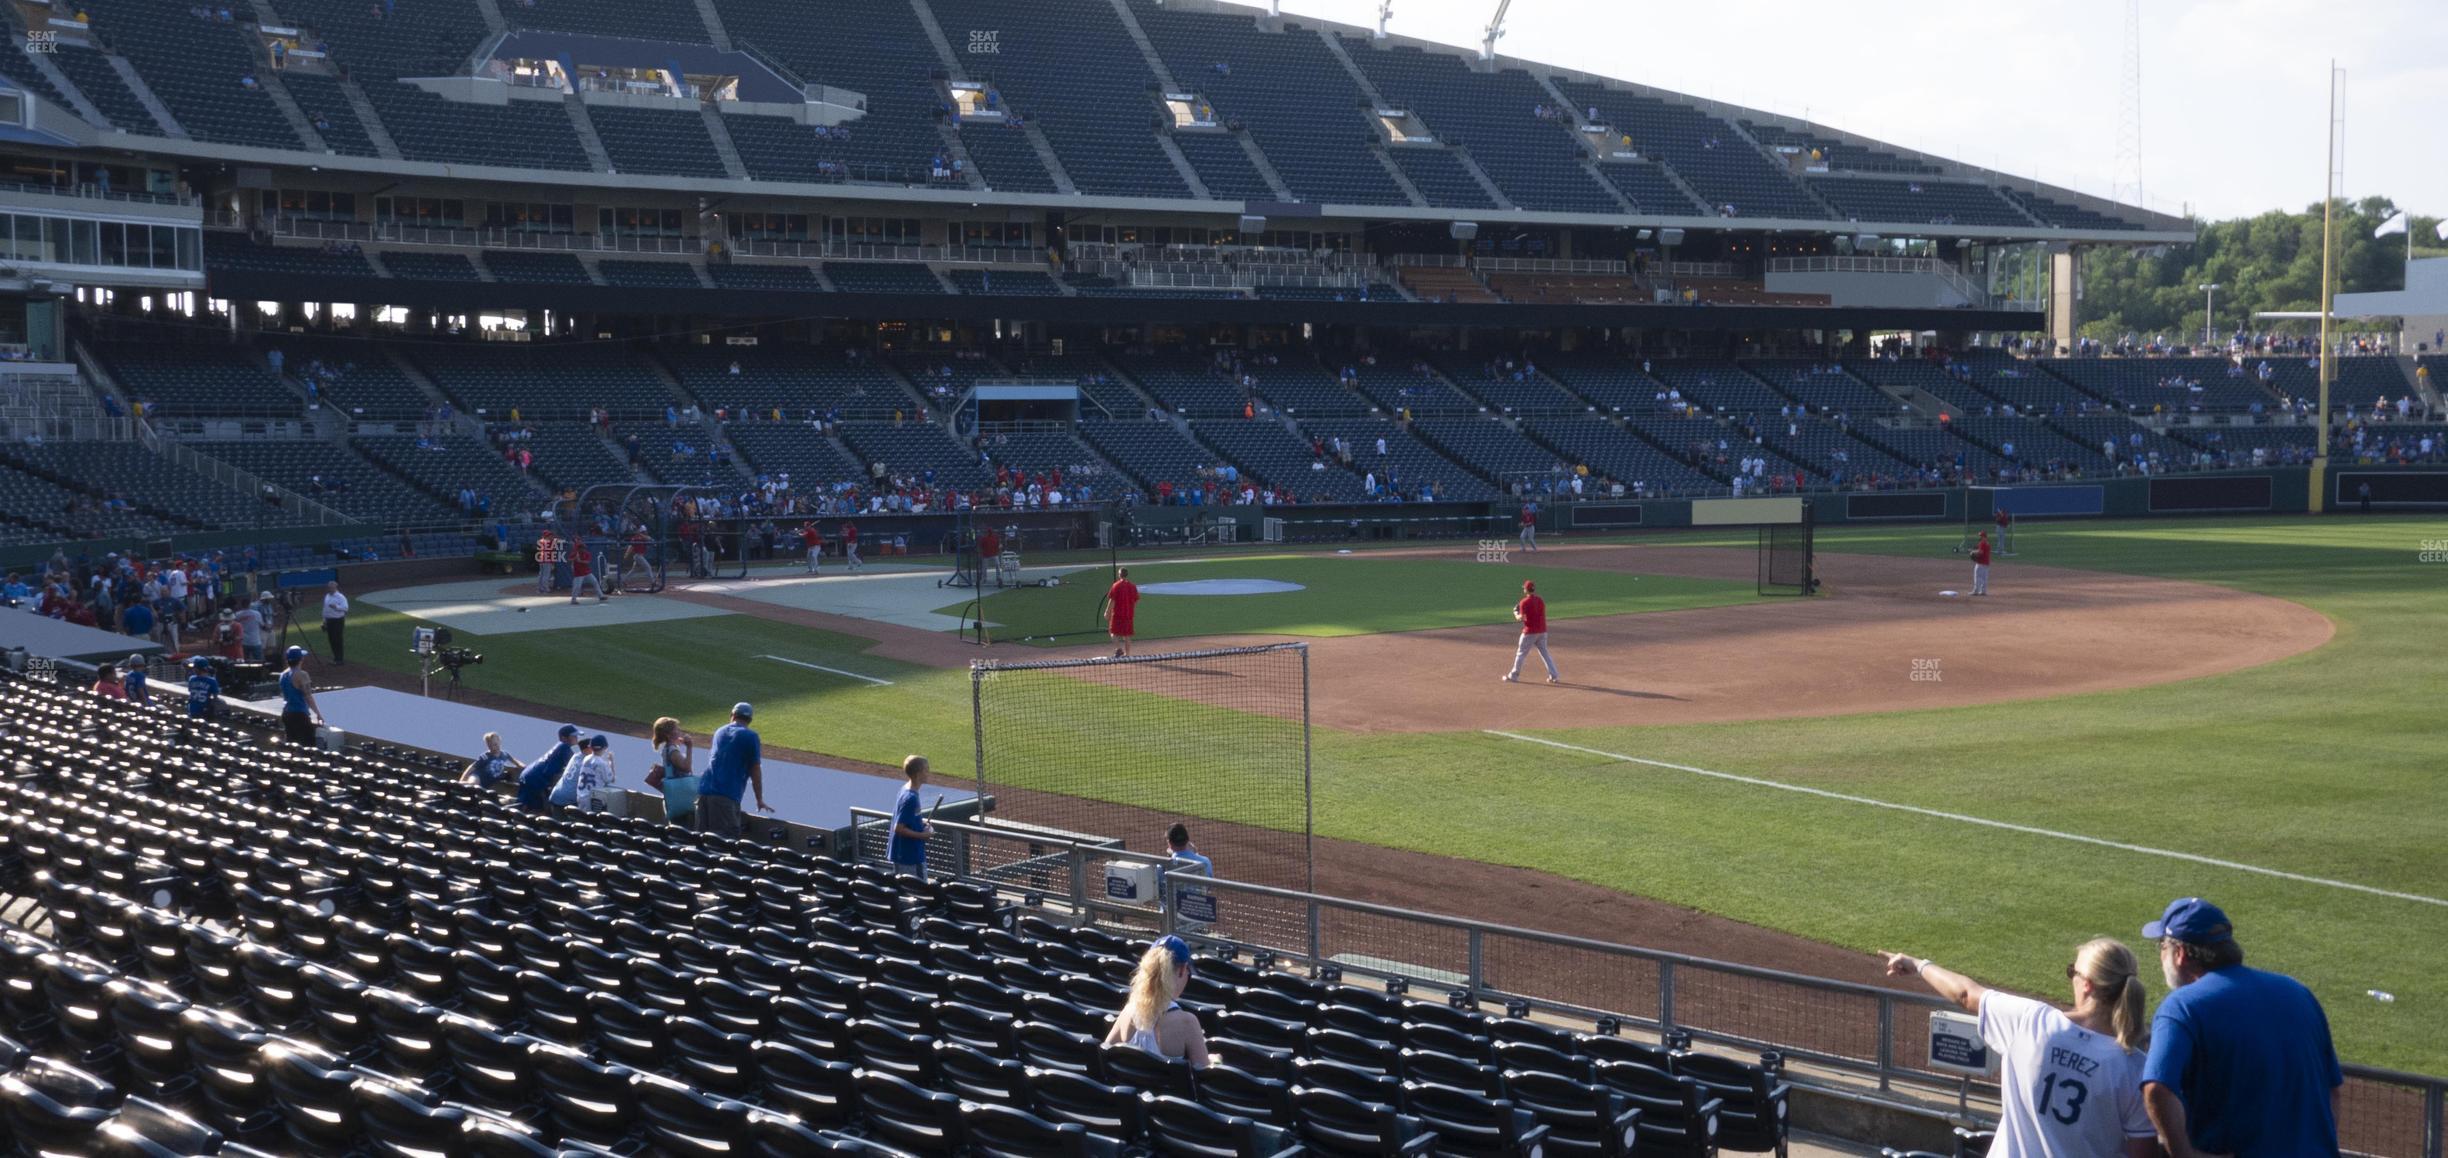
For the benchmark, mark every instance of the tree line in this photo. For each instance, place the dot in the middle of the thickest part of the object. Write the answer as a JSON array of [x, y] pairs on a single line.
[[2268, 262]]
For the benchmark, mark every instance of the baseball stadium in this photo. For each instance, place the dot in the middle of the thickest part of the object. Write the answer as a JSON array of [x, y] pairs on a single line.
[[1313, 592]]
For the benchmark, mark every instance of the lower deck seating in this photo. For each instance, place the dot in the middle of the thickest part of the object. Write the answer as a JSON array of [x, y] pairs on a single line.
[[1617, 455], [1407, 462], [1148, 452], [197, 379], [441, 466], [332, 476], [156, 486], [1265, 451]]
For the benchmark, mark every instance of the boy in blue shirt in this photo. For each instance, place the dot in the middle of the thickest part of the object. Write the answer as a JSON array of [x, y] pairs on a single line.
[[203, 691], [908, 846], [2240, 1060]]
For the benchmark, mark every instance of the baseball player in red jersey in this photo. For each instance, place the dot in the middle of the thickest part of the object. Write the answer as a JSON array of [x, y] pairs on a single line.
[[1121, 607], [1529, 526], [1532, 612], [1980, 565], [2005, 526], [849, 538], [811, 538]]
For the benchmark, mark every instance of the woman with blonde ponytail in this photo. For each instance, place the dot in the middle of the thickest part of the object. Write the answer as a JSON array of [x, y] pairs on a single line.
[[1152, 1017], [2069, 1082]]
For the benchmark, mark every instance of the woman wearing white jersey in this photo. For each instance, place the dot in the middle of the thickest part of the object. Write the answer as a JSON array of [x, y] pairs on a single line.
[[2070, 1083], [1152, 1017]]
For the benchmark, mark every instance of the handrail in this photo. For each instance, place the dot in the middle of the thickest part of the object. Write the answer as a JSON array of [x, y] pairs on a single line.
[[1529, 969], [1035, 867], [1849, 1026]]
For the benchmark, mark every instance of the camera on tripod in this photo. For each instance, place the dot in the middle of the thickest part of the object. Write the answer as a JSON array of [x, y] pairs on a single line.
[[434, 644]]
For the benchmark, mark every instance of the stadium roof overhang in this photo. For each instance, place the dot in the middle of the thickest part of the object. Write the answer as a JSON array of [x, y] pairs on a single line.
[[848, 198], [465, 297]]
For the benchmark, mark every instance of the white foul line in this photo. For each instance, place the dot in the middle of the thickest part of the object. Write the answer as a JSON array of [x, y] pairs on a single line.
[[1982, 821], [823, 668]]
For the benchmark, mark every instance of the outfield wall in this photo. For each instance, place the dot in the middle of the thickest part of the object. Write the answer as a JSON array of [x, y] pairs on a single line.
[[2269, 491]]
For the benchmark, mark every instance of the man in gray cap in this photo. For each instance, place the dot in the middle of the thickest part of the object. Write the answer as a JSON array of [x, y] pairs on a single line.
[[738, 766]]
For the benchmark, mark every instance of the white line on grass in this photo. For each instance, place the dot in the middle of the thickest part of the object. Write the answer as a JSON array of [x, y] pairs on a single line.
[[823, 668], [1982, 821]]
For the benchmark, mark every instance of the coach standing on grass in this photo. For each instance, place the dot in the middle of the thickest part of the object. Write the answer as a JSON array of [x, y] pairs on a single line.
[[738, 765], [1532, 613], [2240, 1060], [1122, 611]]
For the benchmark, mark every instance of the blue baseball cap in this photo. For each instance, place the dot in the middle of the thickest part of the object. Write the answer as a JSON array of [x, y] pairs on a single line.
[[567, 731], [294, 654], [1175, 948], [599, 740], [2193, 920], [744, 710]]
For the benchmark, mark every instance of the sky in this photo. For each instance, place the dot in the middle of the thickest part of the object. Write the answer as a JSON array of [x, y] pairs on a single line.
[[2234, 97]]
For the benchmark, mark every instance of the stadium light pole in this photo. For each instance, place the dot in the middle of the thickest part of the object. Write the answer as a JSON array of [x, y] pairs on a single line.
[[2210, 314]]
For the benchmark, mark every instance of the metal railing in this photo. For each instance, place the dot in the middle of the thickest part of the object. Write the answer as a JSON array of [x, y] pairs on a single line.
[[1551, 265], [1845, 1026], [1061, 866]]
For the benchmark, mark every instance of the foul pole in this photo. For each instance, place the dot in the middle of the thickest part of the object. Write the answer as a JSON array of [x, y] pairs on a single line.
[[2328, 360]]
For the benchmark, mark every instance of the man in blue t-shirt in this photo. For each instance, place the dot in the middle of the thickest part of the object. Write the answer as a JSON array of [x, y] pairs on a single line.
[[2240, 1060], [738, 765], [137, 620], [203, 691], [536, 781], [907, 847]]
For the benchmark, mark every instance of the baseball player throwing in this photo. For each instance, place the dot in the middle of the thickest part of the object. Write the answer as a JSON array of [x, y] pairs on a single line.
[[1532, 613], [1529, 526], [1980, 565]]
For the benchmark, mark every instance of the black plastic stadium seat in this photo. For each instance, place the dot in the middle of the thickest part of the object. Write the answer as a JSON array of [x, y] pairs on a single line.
[[1581, 1119], [1676, 1118], [903, 1115], [1178, 1128], [1469, 1123], [989, 1131], [1751, 1117], [1334, 1124]]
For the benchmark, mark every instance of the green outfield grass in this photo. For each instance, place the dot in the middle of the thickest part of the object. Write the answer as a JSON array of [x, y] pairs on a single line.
[[2326, 765], [1354, 594]]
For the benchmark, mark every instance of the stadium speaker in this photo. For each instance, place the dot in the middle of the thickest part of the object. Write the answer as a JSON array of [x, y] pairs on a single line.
[[1464, 230], [1670, 237], [1252, 223]]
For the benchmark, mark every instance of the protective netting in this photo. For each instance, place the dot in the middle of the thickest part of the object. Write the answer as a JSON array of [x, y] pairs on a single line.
[[1125, 747]]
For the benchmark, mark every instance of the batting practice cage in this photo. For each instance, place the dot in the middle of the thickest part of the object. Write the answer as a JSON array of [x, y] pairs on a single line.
[[1785, 563], [646, 537], [1020, 556], [1117, 750]]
